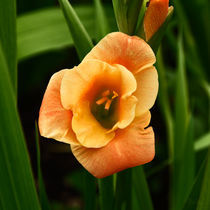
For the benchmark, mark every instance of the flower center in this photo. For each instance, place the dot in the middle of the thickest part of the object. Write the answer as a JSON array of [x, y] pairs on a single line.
[[107, 98], [104, 108]]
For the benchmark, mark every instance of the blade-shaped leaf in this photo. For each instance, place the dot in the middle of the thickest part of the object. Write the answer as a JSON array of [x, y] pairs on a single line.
[[17, 189], [89, 191], [123, 190], [106, 192], [199, 187], [127, 13], [163, 97], [183, 165], [82, 41], [101, 20], [141, 189], [203, 142], [42, 193], [204, 201], [8, 37], [45, 30]]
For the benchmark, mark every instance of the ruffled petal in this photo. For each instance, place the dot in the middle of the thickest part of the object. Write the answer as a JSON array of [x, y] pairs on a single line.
[[54, 120], [155, 16], [88, 130], [84, 81], [118, 48], [127, 103], [78, 91], [131, 147], [147, 89]]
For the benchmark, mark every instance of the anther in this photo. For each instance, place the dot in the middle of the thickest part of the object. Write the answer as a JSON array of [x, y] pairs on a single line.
[[102, 100], [115, 94], [108, 104]]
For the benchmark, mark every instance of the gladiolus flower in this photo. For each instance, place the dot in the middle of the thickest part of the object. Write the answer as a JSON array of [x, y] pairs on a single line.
[[101, 107], [155, 16]]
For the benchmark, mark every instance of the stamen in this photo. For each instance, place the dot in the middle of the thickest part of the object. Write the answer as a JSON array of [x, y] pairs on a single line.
[[108, 104], [102, 100], [107, 97], [115, 94]]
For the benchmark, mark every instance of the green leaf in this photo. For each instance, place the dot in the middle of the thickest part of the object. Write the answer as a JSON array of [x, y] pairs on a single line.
[[106, 192], [8, 37], [163, 97], [203, 142], [155, 40], [82, 41], [17, 189], [101, 20], [204, 201], [127, 13], [183, 164], [141, 189], [123, 190], [140, 24], [42, 193], [197, 198], [89, 191], [46, 30]]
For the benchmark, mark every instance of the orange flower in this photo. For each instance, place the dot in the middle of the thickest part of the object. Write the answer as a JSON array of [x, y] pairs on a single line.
[[155, 16], [101, 107]]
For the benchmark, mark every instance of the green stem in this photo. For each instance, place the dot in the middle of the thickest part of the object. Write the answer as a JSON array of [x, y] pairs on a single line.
[[106, 193], [89, 191], [123, 190]]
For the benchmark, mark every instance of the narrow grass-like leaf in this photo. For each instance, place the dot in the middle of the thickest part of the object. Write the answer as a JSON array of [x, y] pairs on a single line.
[[82, 41], [101, 20], [123, 190], [42, 193], [45, 30], [204, 201], [106, 193], [139, 27], [183, 164], [155, 40], [8, 37], [165, 105], [195, 193], [89, 191], [17, 189], [203, 142], [127, 13], [140, 186], [184, 22]]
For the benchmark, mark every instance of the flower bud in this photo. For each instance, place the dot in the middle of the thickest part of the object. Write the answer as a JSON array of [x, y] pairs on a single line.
[[155, 16]]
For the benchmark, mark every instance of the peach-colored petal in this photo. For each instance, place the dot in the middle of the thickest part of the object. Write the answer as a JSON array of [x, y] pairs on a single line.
[[127, 112], [118, 48], [54, 120], [127, 103], [147, 89], [84, 82], [88, 130], [155, 16], [131, 147]]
